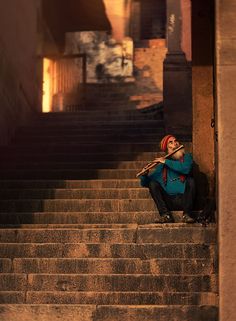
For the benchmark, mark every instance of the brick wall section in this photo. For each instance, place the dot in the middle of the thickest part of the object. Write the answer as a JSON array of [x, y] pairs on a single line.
[[148, 65], [19, 89]]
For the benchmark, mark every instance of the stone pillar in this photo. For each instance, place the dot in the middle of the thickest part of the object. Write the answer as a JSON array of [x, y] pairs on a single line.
[[203, 100], [226, 174], [135, 21], [177, 75]]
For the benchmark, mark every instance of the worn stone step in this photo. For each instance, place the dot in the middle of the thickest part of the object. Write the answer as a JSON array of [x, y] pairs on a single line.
[[83, 152], [87, 205], [37, 235], [136, 217], [19, 157], [96, 183], [126, 233], [76, 156], [94, 148], [99, 130], [109, 266], [79, 113], [137, 165], [90, 116], [77, 217], [36, 312], [105, 193], [98, 139], [68, 174], [94, 123], [111, 282], [107, 250], [109, 298]]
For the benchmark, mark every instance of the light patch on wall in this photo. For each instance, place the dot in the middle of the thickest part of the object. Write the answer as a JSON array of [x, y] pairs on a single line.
[[171, 25], [107, 60], [47, 85], [118, 13]]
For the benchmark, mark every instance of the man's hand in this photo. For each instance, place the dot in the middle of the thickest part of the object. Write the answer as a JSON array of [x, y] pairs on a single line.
[[160, 160], [146, 172]]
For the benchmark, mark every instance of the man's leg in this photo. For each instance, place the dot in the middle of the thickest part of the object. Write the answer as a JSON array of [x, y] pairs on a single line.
[[188, 200], [161, 200]]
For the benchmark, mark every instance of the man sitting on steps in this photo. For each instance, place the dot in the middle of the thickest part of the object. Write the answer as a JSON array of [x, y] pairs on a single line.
[[170, 184]]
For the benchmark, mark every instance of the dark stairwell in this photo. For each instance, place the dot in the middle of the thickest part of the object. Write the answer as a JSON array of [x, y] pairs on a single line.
[[77, 239]]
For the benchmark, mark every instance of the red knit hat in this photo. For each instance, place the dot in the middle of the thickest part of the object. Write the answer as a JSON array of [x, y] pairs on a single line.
[[164, 142]]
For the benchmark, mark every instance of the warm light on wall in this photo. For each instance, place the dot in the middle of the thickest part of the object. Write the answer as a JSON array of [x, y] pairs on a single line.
[[118, 13], [47, 85]]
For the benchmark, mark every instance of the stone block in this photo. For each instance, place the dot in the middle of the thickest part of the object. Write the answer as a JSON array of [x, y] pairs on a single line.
[[13, 282], [175, 235], [46, 312], [12, 297], [121, 298], [152, 313], [126, 282]]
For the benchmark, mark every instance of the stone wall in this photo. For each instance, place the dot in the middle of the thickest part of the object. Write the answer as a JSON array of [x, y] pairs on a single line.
[[19, 84], [148, 71], [107, 59], [226, 115]]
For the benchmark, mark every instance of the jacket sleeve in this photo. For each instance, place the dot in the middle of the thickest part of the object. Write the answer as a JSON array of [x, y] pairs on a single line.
[[155, 175], [145, 180], [181, 167]]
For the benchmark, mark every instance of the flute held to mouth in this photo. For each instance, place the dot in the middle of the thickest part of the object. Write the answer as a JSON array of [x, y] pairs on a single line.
[[155, 162]]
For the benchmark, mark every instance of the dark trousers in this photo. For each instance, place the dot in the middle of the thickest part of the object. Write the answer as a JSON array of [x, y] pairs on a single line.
[[166, 203]]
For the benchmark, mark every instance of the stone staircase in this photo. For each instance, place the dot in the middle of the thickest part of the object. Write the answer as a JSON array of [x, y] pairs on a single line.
[[77, 239]]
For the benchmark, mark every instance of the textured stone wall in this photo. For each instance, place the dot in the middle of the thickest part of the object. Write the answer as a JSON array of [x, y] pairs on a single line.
[[148, 64], [226, 114], [19, 86], [107, 59]]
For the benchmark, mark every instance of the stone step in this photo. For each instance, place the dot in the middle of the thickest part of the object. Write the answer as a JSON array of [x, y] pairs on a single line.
[[36, 312], [76, 156], [134, 217], [71, 184], [126, 233], [109, 298], [81, 123], [96, 113], [106, 250], [68, 174], [87, 148], [111, 282], [91, 139], [84, 205], [75, 205], [102, 116], [78, 113], [78, 217], [108, 266], [99, 130], [98, 138], [137, 165], [105, 193]]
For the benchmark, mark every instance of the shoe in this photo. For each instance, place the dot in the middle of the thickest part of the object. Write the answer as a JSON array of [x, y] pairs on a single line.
[[166, 218], [187, 218]]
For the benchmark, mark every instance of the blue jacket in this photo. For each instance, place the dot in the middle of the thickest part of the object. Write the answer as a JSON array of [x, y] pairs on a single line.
[[175, 168]]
